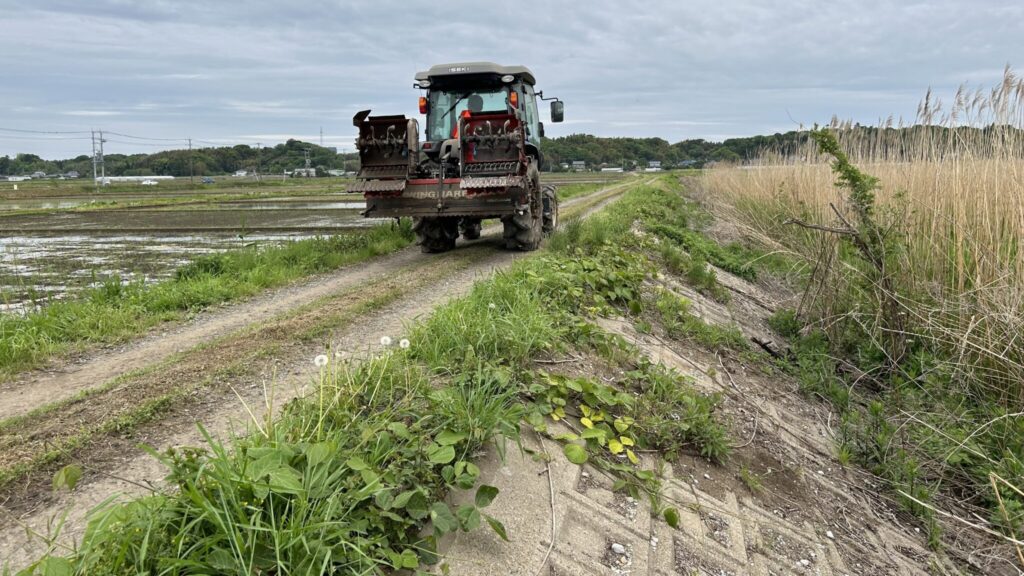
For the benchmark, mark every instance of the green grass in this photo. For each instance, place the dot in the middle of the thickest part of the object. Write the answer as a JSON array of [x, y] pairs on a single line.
[[352, 478], [751, 480], [680, 321], [114, 310], [567, 191]]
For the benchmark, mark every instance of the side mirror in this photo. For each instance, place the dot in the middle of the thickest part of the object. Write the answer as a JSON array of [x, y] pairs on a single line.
[[540, 129], [557, 111]]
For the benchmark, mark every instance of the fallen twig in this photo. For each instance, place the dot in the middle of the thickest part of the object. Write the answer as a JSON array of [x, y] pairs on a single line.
[[747, 443], [984, 529], [551, 493], [803, 224]]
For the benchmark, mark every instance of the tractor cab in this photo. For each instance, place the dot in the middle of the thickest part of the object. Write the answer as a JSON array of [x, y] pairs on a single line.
[[455, 91]]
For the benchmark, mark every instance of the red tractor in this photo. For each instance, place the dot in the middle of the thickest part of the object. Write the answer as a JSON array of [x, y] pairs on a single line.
[[479, 159]]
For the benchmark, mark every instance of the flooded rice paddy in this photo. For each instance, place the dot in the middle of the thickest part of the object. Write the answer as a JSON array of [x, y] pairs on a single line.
[[50, 255]]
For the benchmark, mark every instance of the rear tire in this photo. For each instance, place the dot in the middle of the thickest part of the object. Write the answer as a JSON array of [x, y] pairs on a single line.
[[526, 231], [550, 199], [436, 234], [523, 231]]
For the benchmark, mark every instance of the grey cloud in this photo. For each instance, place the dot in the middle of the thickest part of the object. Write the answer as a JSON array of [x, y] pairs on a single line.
[[226, 71]]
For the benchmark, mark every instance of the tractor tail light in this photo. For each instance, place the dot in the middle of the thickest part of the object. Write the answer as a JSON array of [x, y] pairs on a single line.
[[455, 130], [423, 104], [513, 99]]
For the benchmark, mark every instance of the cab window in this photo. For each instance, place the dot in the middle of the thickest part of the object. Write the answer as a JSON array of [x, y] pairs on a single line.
[[446, 107], [532, 118]]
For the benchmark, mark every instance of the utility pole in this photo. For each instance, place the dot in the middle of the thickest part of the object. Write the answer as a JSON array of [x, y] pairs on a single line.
[[103, 169], [259, 162], [191, 171], [321, 136], [305, 153], [94, 180]]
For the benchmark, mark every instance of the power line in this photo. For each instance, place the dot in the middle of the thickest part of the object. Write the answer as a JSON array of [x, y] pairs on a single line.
[[42, 131], [136, 143], [146, 138], [43, 138]]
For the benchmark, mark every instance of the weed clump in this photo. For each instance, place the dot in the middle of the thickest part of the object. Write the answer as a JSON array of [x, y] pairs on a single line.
[[680, 321], [341, 482]]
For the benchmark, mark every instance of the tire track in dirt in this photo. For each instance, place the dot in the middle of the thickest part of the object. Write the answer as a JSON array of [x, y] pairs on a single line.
[[69, 377], [220, 380]]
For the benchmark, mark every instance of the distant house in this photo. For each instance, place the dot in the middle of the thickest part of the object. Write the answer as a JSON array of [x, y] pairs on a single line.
[[304, 173], [39, 174], [653, 166], [72, 174], [18, 178], [240, 173], [578, 166]]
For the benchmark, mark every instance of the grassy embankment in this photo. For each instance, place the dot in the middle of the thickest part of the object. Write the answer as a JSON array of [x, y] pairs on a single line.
[[913, 320], [346, 479], [114, 310]]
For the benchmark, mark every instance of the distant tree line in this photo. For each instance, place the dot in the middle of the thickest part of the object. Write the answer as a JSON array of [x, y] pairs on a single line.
[[594, 150], [205, 161], [637, 152]]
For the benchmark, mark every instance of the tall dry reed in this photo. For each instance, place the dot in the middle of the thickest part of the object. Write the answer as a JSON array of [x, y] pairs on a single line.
[[952, 186]]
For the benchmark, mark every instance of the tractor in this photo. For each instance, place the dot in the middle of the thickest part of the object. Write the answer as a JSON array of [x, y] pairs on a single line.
[[479, 158]]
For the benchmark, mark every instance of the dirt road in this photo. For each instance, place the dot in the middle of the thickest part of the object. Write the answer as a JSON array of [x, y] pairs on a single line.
[[214, 370]]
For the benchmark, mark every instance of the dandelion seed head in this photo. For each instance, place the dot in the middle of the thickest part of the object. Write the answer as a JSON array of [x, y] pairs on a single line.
[[492, 306], [403, 343], [385, 341], [320, 360]]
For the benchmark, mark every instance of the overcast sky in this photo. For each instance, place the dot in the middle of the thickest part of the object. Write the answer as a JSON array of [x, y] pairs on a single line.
[[264, 71]]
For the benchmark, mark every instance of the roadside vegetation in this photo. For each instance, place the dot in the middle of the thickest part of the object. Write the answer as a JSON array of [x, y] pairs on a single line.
[[114, 310], [912, 320], [353, 477], [567, 191]]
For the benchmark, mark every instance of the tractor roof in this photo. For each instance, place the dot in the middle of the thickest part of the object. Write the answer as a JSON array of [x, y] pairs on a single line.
[[476, 68]]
